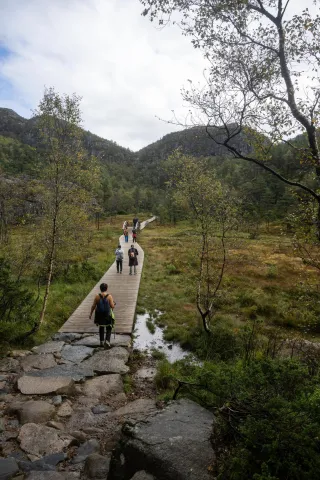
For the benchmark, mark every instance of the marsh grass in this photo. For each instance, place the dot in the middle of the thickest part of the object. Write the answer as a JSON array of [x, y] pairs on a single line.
[[263, 280]]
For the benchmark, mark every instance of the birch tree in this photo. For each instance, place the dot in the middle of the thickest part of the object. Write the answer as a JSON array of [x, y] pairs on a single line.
[[262, 79], [69, 177]]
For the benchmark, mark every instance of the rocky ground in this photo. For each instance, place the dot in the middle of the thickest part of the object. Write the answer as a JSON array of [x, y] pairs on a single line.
[[71, 409], [63, 404]]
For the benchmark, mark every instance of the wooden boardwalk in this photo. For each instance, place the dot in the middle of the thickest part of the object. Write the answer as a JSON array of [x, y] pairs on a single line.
[[124, 289]]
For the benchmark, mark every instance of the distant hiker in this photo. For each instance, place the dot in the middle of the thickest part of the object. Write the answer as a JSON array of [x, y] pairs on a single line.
[[125, 224], [119, 258], [126, 234], [135, 221], [133, 261], [103, 305], [134, 235]]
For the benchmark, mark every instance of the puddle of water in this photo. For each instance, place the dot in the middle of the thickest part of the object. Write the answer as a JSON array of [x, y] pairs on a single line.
[[145, 340]]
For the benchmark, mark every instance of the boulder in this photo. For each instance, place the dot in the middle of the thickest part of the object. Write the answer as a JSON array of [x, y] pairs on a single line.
[[49, 347], [30, 385], [100, 387], [38, 362], [172, 444], [33, 411], [40, 440], [8, 468], [66, 337], [97, 466], [76, 353], [142, 475], [112, 361], [86, 449], [8, 364], [77, 372]]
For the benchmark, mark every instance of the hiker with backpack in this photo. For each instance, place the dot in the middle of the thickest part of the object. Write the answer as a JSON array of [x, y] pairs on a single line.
[[102, 307], [126, 234], [134, 235], [119, 258], [133, 261]]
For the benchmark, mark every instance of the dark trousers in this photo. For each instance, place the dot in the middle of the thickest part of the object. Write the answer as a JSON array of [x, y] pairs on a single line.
[[119, 265], [108, 333], [134, 239]]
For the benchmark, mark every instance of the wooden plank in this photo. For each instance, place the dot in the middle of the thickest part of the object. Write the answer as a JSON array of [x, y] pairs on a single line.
[[124, 289]]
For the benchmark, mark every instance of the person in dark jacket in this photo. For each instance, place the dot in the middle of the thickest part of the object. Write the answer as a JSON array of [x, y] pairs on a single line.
[[103, 320], [133, 260]]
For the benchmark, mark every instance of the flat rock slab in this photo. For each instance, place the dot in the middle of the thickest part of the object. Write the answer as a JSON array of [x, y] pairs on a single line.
[[76, 353], [8, 468], [31, 385], [111, 361], [142, 406], [146, 373], [40, 440], [66, 337], [33, 411], [38, 362], [77, 372], [49, 347], [173, 443], [102, 386], [8, 364], [93, 341]]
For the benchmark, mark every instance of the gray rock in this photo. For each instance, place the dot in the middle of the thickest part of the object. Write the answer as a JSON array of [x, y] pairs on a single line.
[[38, 362], [52, 475], [141, 406], [92, 430], [107, 362], [100, 387], [89, 447], [81, 436], [56, 400], [76, 353], [98, 409], [8, 468], [35, 412], [77, 372], [8, 364], [97, 466], [65, 410], [2, 425], [142, 475], [49, 347], [66, 337], [47, 463], [40, 440], [173, 443], [56, 425], [32, 385], [93, 341]]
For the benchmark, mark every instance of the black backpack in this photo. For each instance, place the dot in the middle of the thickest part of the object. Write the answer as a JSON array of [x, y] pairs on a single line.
[[103, 306]]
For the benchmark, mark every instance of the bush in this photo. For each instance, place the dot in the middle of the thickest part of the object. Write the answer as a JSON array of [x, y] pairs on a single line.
[[17, 315]]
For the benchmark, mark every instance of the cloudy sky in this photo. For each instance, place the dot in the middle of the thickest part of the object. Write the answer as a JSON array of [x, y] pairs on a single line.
[[126, 70]]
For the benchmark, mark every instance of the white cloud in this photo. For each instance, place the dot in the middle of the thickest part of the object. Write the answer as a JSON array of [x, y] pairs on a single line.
[[126, 70]]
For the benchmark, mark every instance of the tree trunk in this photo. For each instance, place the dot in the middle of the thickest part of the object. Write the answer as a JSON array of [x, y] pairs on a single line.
[[50, 272]]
